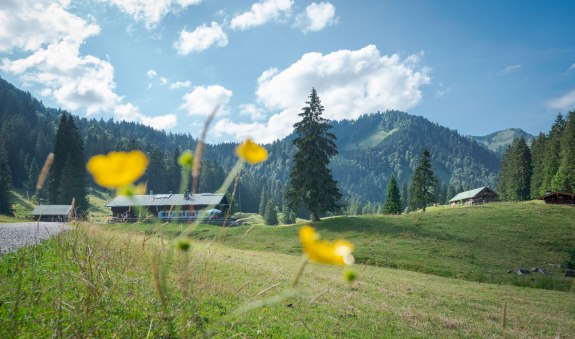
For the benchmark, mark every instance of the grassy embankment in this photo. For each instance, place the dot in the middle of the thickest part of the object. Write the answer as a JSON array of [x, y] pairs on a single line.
[[100, 283], [479, 243]]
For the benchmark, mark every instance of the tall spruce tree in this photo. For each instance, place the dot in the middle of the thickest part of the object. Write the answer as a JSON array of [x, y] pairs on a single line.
[[552, 154], [423, 185], [537, 164], [564, 180], [514, 182], [450, 194], [392, 203], [311, 182], [271, 215], [67, 179], [263, 201], [5, 183]]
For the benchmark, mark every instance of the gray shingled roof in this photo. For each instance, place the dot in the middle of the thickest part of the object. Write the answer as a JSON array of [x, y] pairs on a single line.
[[166, 200], [468, 194], [52, 210]]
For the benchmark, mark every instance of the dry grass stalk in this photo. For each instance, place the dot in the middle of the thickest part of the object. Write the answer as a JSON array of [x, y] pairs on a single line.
[[44, 172]]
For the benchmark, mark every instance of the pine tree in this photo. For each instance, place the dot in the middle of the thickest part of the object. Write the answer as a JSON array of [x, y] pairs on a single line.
[[450, 194], [33, 173], [263, 201], [423, 184], [156, 172], [271, 215], [311, 181], [537, 164], [515, 173], [552, 153], [288, 216], [5, 183], [67, 179], [404, 195], [565, 177], [392, 203]]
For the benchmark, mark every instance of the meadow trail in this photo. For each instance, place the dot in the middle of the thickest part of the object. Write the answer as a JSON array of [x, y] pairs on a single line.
[[16, 235]]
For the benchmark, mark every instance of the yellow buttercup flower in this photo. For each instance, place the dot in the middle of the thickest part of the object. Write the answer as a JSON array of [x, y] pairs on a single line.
[[251, 152], [186, 160], [336, 252], [117, 169]]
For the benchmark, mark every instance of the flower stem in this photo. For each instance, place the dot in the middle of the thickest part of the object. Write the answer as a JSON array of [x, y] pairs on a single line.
[[299, 272]]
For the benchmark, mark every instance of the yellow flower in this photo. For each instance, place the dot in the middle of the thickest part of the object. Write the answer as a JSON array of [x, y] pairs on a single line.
[[251, 152], [336, 252], [117, 169], [186, 160]]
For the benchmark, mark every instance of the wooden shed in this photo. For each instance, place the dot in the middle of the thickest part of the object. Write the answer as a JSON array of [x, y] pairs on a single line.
[[476, 196], [558, 198], [166, 207], [62, 213]]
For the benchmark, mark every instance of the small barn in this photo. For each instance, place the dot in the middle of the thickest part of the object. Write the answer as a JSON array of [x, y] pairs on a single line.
[[62, 213], [179, 207], [476, 196], [558, 198]]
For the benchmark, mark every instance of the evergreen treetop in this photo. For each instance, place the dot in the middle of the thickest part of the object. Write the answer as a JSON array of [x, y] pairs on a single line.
[[423, 183], [392, 203], [311, 181]]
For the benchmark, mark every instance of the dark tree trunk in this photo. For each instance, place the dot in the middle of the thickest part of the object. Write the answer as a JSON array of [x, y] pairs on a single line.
[[314, 216]]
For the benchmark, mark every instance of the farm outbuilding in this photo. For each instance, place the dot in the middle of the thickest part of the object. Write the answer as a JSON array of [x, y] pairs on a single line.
[[558, 198], [61, 213], [166, 207], [476, 196]]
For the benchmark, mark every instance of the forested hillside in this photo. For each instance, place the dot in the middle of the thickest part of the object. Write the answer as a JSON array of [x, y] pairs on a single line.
[[371, 149]]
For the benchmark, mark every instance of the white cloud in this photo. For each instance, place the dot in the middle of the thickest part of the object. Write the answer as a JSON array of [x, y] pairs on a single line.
[[316, 17], [510, 69], [203, 100], [564, 103], [76, 82], [349, 84], [252, 111], [571, 68], [151, 12], [129, 112], [260, 13], [53, 37], [279, 125], [28, 25], [151, 74], [180, 84], [203, 37]]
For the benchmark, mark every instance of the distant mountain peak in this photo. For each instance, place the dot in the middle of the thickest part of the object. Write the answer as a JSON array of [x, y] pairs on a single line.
[[498, 141]]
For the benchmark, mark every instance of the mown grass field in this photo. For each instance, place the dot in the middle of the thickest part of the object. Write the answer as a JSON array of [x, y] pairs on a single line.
[[92, 282], [478, 243], [419, 275]]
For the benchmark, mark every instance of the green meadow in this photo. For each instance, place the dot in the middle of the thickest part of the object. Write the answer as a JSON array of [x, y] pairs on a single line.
[[442, 273]]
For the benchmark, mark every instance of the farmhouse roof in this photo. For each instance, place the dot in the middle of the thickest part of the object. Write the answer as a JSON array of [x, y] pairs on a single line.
[[46, 210], [205, 199], [469, 194]]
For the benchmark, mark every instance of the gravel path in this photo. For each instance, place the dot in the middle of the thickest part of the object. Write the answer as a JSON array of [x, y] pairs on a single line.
[[15, 235]]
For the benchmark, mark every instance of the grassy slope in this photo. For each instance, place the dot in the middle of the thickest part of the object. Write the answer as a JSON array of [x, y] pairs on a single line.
[[100, 285], [479, 243]]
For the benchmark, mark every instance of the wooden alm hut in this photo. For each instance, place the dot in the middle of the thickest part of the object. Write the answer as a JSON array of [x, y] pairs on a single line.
[[62, 213], [476, 196], [558, 198], [166, 207]]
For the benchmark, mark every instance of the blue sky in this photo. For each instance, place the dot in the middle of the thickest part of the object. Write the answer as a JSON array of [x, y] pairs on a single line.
[[474, 66]]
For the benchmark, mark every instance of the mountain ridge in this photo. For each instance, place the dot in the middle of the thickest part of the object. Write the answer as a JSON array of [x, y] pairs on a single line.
[[371, 149]]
